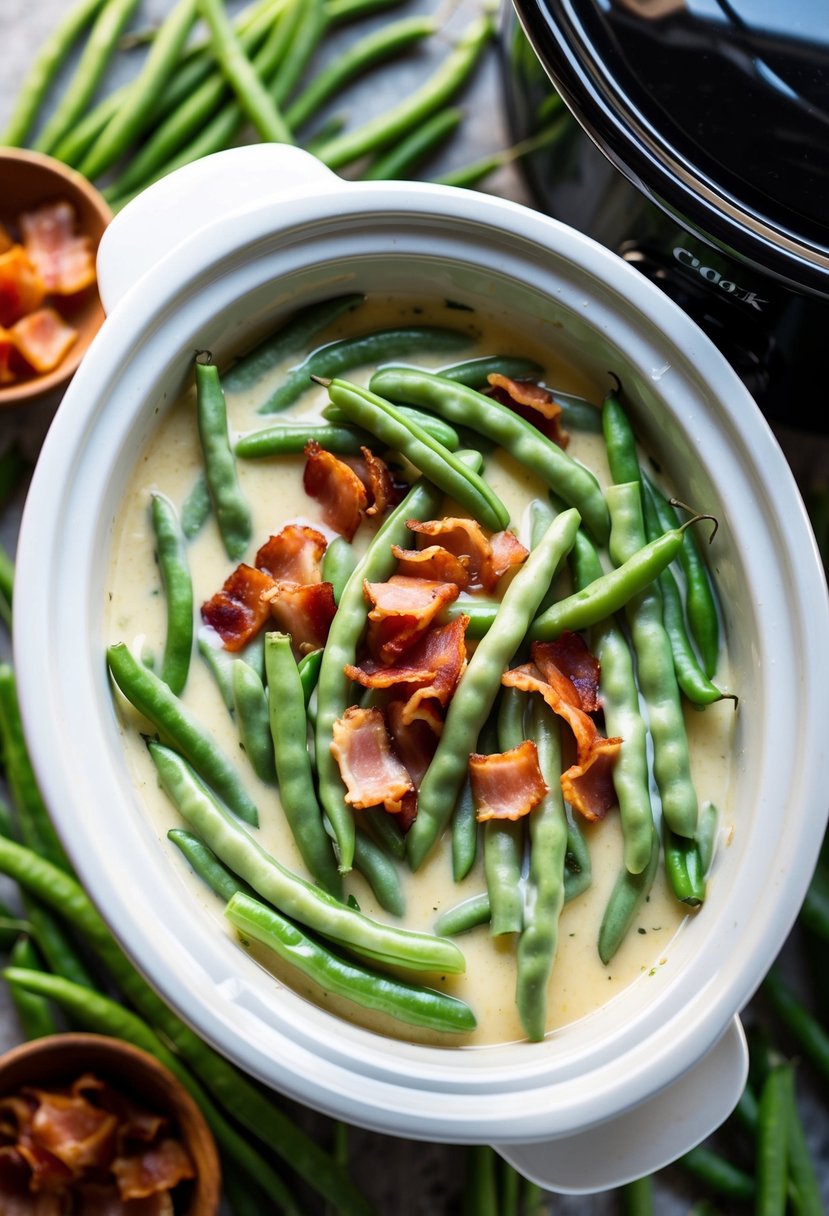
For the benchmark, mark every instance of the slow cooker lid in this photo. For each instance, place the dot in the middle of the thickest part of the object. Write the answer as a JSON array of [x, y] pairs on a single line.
[[719, 109]]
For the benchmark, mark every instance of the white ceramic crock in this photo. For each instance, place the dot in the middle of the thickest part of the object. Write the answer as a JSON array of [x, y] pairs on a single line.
[[211, 256]]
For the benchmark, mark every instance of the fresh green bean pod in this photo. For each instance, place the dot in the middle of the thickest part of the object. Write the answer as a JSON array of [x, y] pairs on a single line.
[[294, 769], [338, 564], [776, 1100], [683, 866], [464, 834], [545, 894], [378, 869], [430, 423], [196, 508], [620, 441], [364, 350], [250, 702], [176, 723], [466, 915], [442, 467], [206, 865], [56, 943], [34, 1012], [627, 896], [525, 443], [290, 438], [402, 159], [810, 1035], [476, 692], [504, 839], [178, 590], [803, 1179], [229, 505], [405, 1002]]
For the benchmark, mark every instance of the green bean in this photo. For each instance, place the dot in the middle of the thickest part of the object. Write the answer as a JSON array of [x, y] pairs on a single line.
[[415, 109], [623, 718], [309, 33], [294, 770], [466, 915], [220, 665], [637, 1197], [684, 868], [94, 59], [469, 176], [309, 670], [464, 833], [401, 159], [377, 868], [250, 703], [380, 44], [338, 564], [196, 508], [364, 350], [253, 97], [11, 928], [480, 1193], [327, 130], [291, 337], [104, 1016], [700, 602], [810, 1035], [178, 590], [442, 467], [525, 443], [433, 426], [34, 1012], [348, 625], [629, 891], [578, 871], [229, 505], [295, 897], [545, 882], [386, 831], [541, 516], [175, 722], [578, 414], [55, 942], [475, 694], [655, 668], [132, 117], [510, 1189], [706, 838], [222, 881], [290, 438], [620, 441], [244, 1101], [776, 1098], [475, 373], [41, 74], [807, 1199], [504, 839], [718, 1173]]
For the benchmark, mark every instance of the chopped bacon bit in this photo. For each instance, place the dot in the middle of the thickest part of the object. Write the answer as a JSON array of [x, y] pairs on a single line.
[[532, 403], [48, 1172], [158, 1168], [429, 671], [434, 562], [403, 609], [506, 785], [74, 1131], [305, 611], [42, 337], [569, 656], [507, 551], [379, 483], [16, 1197], [293, 555], [337, 488], [589, 786], [22, 290], [239, 610], [372, 774], [63, 259], [414, 741], [486, 558]]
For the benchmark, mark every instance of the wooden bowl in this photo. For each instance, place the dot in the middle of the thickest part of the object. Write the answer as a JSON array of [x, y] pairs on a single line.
[[30, 179], [60, 1058]]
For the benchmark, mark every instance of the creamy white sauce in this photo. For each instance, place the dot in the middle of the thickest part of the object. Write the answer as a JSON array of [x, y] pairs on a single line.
[[273, 487]]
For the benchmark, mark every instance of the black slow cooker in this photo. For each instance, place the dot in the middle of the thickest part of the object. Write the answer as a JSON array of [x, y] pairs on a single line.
[[695, 143]]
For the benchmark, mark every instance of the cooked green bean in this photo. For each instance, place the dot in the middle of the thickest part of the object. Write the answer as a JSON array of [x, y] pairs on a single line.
[[628, 893], [433, 425], [206, 865], [364, 350], [291, 337], [377, 868], [442, 467], [294, 769], [295, 897], [466, 915], [196, 508], [338, 563], [545, 882], [542, 515], [578, 872], [250, 702], [464, 833], [93, 62], [401, 159], [386, 831], [132, 116], [178, 590], [706, 838], [309, 670], [220, 665], [525, 443], [475, 694], [348, 625], [504, 839], [290, 438], [229, 505], [474, 373], [176, 724], [655, 669], [34, 1012], [684, 868], [776, 1098], [620, 441], [405, 1002]]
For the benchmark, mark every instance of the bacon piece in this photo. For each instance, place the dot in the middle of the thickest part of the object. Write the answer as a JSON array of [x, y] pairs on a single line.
[[63, 258], [7, 353], [70, 1128], [506, 785], [239, 610], [589, 786], [48, 1172], [160, 1167], [372, 774], [434, 562], [487, 558], [305, 611], [293, 555], [104, 1200], [22, 290], [569, 656], [42, 337], [532, 403], [379, 483], [337, 488], [16, 1113], [415, 742], [402, 610], [429, 671], [16, 1196], [135, 1122]]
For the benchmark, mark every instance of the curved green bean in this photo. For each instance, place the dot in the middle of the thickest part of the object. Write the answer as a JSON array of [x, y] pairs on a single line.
[[196, 508], [219, 663], [629, 892], [34, 1012], [309, 670], [433, 425], [475, 373], [386, 832], [620, 441], [206, 865], [250, 703], [377, 868], [466, 915], [401, 159], [464, 834], [178, 590], [338, 564], [229, 505], [290, 438]]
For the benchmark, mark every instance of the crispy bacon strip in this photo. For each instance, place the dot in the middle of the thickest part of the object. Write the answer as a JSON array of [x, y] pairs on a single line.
[[42, 337], [403, 609], [372, 774], [433, 562], [74, 1131], [570, 657], [160, 1167], [506, 785], [338, 489], [532, 402], [415, 742], [305, 611], [239, 610], [378, 483], [429, 672], [22, 290], [62, 257], [487, 558], [293, 555], [16, 1197]]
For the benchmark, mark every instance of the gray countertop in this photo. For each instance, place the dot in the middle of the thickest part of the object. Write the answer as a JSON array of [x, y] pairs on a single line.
[[404, 1179]]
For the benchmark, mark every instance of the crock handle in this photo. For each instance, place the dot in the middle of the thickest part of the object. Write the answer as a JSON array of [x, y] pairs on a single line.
[[644, 1139], [196, 196]]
